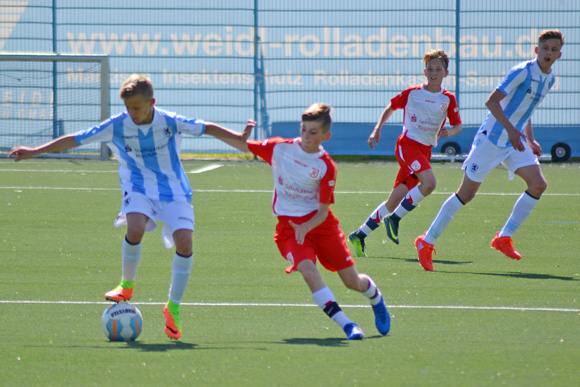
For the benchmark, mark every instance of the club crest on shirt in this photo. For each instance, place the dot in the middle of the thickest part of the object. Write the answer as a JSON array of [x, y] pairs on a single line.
[[167, 132], [416, 165], [443, 106], [314, 173]]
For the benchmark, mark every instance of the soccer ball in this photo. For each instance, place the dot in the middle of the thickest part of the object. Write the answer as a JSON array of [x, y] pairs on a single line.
[[122, 322]]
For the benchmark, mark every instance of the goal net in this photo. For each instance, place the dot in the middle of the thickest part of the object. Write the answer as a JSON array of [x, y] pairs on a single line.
[[45, 96]]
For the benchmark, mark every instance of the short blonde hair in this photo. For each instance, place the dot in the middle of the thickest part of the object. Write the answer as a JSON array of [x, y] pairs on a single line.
[[136, 85], [319, 112], [436, 54]]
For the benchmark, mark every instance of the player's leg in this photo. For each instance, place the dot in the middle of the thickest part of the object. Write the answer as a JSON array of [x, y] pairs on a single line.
[[536, 185], [357, 237], [131, 257], [425, 244], [325, 299], [179, 219], [181, 270], [410, 202], [364, 284]]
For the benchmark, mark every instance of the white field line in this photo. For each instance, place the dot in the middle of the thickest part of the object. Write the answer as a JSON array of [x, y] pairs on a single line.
[[206, 169], [283, 305], [270, 191]]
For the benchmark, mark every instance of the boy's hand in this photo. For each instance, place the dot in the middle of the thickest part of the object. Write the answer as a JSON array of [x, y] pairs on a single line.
[[21, 153], [515, 138], [300, 231], [443, 133], [248, 129], [536, 148], [374, 138]]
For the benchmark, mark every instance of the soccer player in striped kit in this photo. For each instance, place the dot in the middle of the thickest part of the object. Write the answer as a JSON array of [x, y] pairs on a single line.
[[307, 230], [146, 142], [426, 108], [505, 137]]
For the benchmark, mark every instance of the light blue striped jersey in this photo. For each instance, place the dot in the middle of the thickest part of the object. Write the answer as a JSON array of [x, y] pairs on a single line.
[[148, 154], [524, 87]]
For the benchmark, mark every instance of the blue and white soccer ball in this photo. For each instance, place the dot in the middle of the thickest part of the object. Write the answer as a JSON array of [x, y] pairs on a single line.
[[122, 322]]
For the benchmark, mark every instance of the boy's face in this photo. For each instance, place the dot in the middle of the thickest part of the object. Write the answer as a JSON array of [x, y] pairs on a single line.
[[548, 52], [435, 72], [312, 135], [140, 109]]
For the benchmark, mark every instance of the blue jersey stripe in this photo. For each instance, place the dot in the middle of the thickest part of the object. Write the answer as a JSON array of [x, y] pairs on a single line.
[[149, 154], [119, 141], [174, 157]]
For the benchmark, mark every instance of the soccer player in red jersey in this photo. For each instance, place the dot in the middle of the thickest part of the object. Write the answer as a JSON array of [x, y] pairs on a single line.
[[426, 108], [307, 231]]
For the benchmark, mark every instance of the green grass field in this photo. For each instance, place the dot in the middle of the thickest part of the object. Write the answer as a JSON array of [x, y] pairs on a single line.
[[479, 319]]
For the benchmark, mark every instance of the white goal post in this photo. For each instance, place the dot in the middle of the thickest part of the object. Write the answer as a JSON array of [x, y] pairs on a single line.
[[43, 96]]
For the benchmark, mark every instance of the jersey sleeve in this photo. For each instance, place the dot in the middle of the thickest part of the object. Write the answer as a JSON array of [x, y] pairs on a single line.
[[264, 149], [512, 80], [400, 100], [194, 127], [453, 111], [100, 133], [328, 181]]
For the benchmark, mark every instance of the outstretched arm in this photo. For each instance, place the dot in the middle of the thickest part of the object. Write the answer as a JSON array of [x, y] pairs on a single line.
[[230, 137], [60, 144]]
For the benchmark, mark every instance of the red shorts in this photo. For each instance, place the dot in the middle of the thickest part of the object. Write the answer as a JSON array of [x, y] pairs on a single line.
[[326, 242], [413, 158]]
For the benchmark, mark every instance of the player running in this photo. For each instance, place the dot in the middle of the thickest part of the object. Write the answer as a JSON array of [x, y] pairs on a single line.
[[426, 108], [304, 180], [505, 137]]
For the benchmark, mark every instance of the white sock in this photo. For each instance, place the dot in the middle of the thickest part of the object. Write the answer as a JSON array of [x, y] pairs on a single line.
[[522, 209], [326, 301], [446, 214], [131, 259], [372, 293], [181, 269], [411, 200], [374, 219]]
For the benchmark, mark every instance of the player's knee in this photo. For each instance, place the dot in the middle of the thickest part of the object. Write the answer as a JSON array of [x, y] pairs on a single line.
[[135, 234], [538, 188], [428, 187]]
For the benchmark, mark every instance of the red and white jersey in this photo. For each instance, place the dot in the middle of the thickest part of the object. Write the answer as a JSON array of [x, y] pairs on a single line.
[[301, 180], [425, 112]]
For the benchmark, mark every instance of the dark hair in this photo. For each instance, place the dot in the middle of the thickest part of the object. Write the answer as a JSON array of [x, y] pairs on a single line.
[[436, 54], [319, 112], [551, 34], [136, 85]]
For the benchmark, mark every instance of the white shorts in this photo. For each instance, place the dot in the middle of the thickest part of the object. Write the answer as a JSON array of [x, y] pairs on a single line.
[[176, 215], [484, 156]]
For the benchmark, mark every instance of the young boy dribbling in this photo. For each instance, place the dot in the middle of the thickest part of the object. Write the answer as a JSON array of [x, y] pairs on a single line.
[[146, 142]]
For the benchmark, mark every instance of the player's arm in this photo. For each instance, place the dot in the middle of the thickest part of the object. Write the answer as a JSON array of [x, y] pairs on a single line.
[[495, 108], [531, 140], [60, 144], [376, 134], [230, 137], [302, 229], [453, 131]]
